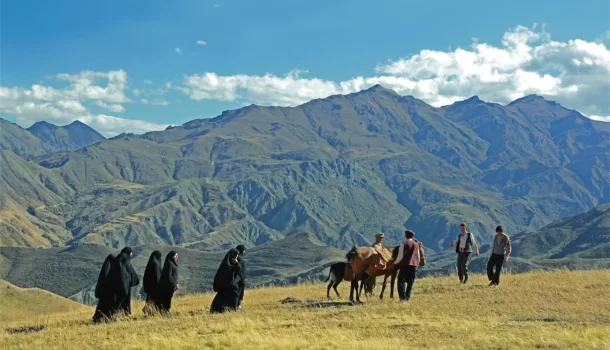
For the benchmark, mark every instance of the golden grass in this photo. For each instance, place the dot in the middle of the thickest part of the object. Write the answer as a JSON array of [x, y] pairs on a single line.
[[28, 304], [548, 310]]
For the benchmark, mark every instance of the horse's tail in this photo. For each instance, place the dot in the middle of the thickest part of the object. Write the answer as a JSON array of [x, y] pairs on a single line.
[[350, 255], [330, 270]]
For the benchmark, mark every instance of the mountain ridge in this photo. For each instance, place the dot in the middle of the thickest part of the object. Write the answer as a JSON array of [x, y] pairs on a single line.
[[45, 138], [343, 168]]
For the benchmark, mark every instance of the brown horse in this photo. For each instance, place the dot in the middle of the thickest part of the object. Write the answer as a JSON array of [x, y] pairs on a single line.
[[366, 260]]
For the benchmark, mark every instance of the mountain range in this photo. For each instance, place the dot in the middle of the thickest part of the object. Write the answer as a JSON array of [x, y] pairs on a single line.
[[44, 138], [342, 168]]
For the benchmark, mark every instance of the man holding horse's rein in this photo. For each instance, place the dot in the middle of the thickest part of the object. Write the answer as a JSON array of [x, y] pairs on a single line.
[[408, 251]]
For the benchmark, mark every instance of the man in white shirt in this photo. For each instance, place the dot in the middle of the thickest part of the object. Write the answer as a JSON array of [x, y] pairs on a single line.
[[464, 249]]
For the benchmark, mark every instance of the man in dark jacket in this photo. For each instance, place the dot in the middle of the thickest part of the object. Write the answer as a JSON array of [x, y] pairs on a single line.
[[464, 248], [409, 252]]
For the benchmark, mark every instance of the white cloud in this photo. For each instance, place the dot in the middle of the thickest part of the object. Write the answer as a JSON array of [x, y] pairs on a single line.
[[148, 82], [112, 126], [178, 51], [117, 108], [155, 102], [61, 106], [575, 73], [82, 87], [201, 42]]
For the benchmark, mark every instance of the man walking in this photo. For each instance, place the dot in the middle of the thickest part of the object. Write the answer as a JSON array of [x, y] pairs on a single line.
[[464, 248], [408, 251], [499, 255]]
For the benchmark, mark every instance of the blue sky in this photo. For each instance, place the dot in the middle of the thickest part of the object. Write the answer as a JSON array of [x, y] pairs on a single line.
[[331, 42]]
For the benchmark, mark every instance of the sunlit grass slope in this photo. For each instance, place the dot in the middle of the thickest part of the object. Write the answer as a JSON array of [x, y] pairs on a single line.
[[32, 304], [548, 310]]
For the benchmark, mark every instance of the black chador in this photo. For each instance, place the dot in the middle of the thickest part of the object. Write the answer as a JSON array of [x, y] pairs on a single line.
[[103, 293], [242, 267], [150, 282], [122, 277], [226, 283], [168, 284]]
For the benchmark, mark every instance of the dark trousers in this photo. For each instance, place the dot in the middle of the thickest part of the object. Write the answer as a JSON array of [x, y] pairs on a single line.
[[462, 265], [495, 261], [406, 275]]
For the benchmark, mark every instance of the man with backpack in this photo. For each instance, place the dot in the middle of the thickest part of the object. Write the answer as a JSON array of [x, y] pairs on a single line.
[[464, 248]]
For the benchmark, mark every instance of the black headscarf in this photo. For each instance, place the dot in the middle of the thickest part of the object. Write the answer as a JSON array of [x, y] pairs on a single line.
[[122, 275], [169, 276], [152, 274], [227, 271], [101, 287], [242, 263]]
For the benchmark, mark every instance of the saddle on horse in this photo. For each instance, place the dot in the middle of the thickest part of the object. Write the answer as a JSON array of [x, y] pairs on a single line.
[[381, 261]]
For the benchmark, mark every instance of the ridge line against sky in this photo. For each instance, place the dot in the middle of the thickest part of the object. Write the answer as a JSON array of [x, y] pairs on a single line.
[[527, 60]]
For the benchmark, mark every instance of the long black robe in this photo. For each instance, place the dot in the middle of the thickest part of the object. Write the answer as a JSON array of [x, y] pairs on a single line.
[[242, 268], [167, 283], [226, 284], [150, 282], [103, 292], [122, 277]]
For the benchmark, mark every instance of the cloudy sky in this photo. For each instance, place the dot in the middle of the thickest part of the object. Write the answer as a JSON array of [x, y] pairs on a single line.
[[118, 66]]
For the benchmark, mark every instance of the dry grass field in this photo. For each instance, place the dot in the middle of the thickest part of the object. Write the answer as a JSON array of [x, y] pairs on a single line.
[[542, 310]]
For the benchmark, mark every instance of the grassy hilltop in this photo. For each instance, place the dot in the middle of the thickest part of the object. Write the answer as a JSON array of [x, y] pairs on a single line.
[[548, 310]]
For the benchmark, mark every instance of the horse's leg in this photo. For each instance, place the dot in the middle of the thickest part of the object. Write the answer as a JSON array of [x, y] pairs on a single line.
[[385, 281], [328, 289], [361, 279], [335, 288], [354, 286], [392, 281]]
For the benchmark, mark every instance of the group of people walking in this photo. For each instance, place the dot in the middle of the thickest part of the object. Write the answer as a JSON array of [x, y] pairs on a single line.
[[160, 282], [117, 276], [409, 254]]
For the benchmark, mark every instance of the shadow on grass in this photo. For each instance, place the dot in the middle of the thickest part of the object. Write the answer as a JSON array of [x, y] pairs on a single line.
[[25, 329], [317, 303]]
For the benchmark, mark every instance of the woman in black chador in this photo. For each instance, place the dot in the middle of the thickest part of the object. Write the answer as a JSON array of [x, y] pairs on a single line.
[[242, 268], [226, 283], [150, 283], [103, 293], [122, 277], [168, 283]]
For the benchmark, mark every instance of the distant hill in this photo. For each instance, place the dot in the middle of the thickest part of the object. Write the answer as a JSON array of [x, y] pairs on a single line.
[[31, 303], [69, 137], [343, 168], [72, 272], [20, 141], [44, 138], [584, 236]]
